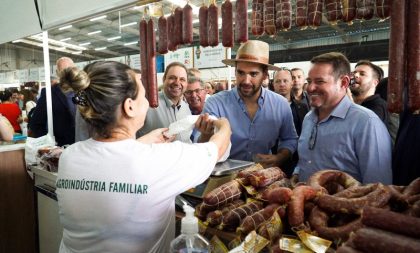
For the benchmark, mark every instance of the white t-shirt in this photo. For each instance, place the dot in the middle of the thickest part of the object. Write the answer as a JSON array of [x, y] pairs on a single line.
[[120, 196]]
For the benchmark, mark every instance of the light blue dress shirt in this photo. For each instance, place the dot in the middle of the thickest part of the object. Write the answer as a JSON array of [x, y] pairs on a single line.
[[351, 139], [273, 122]]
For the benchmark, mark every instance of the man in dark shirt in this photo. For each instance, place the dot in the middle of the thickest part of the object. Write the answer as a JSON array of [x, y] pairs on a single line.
[[366, 77]]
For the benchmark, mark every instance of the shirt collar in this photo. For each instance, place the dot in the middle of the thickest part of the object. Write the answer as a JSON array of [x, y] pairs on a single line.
[[340, 111], [169, 102], [260, 99]]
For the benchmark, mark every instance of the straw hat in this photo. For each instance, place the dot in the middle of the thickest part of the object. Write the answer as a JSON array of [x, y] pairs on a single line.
[[253, 51]]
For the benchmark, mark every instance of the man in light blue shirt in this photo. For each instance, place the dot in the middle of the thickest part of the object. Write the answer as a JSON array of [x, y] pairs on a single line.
[[259, 118], [338, 134]]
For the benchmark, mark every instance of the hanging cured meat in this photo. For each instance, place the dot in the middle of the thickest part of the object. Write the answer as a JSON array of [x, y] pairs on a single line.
[[383, 8], [163, 35], [227, 24], [413, 62], [334, 12], [213, 25], [241, 21], [365, 9], [283, 14], [151, 65], [187, 25], [143, 54], [177, 32], [314, 12], [269, 17], [171, 31], [301, 13], [202, 17], [349, 10], [257, 17]]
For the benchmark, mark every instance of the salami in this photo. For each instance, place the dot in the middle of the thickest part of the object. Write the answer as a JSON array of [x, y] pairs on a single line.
[[253, 221], [383, 8], [187, 25], [227, 24], [233, 218], [413, 52], [214, 218], [283, 15], [397, 56], [295, 209], [280, 195], [269, 17], [213, 25], [151, 65], [171, 39], [202, 17], [223, 194], [257, 17], [349, 10], [301, 13], [265, 177], [334, 12], [177, 32], [241, 21], [314, 12], [365, 9], [163, 35], [143, 55], [323, 177]]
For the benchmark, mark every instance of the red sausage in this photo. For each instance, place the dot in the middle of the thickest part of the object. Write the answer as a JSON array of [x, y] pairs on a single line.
[[295, 208], [269, 17], [333, 8], [171, 31], [257, 17], [241, 21], [213, 25], [349, 10], [187, 25], [383, 8], [365, 9], [151, 65], [397, 56], [177, 32], [227, 24], [143, 55], [301, 13], [413, 52], [163, 35], [202, 17], [283, 14], [314, 12]]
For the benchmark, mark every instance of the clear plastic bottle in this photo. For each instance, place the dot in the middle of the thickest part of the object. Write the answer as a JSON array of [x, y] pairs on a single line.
[[189, 241]]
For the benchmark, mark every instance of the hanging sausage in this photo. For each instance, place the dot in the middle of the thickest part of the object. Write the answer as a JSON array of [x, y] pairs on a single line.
[[413, 62], [349, 10], [241, 21], [151, 65], [172, 46], [213, 25], [257, 17], [334, 12], [227, 24], [202, 17], [143, 55], [283, 15], [177, 32], [301, 13], [383, 8], [163, 35], [269, 17], [187, 24], [365, 9], [314, 13]]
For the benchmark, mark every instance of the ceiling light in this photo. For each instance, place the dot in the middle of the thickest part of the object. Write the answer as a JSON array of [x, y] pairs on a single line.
[[97, 18], [130, 43], [77, 52], [95, 32], [100, 48], [66, 39], [84, 44], [114, 38], [16, 41], [128, 24], [65, 27]]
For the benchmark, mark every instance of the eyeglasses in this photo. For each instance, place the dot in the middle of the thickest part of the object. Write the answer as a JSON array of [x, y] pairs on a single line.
[[312, 139], [190, 92]]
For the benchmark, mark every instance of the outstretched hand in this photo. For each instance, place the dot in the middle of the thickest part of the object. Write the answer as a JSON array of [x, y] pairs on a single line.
[[156, 136]]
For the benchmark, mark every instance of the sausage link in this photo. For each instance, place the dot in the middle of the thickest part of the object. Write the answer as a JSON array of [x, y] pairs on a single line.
[[349, 10], [295, 208], [265, 177], [241, 21], [269, 17], [143, 55], [227, 24], [243, 174], [365, 9], [253, 221], [187, 25], [223, 194], [283, 15], [257, 17], [413, 52], [413, 188], [383, 8], [172, 46], [233, 218], [323, 177], [213, 25], [163, 35], [334, 12], [314, 12], [202, 17], [151, 65], [280, 195], [214, 218], [177, 32]]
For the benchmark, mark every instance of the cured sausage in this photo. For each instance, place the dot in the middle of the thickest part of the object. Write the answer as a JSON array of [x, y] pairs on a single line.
[[201, 211], [269, 17], [257, 17], [171, 31], [295, 209], [349, 10], [223, 194], [151, 65], [187, 24], [357, 191], [241, 21], [143, 55], [163, 35], [243, 174], [391, 221], [213, 25], [314, 12], [253, 221], [283, 15], [334, 12], [323, 177], [227, 24], [365, 9], [214, 218], [413, 52], [301, 13], [264, 192], [202, 17], [397, 56], [233, 218], [413, 188], [177, 32], [383, 8], [265, 177], [376, 240], [279, 195]]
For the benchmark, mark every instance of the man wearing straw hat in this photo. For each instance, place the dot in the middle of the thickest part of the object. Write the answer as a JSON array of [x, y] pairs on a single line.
[[259, 118]]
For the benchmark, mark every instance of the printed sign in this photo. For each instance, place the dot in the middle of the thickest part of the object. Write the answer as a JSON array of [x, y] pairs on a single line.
[[183, 55], [209, 57]]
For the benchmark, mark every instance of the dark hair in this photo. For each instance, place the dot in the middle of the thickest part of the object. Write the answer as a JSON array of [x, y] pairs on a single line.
[[6, 95], [378, 71], [173, 64], [298, 69], [101, 88], [339, 62]]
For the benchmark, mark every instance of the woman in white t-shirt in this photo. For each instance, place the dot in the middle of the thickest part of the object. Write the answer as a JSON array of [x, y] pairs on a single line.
[[115, 193]]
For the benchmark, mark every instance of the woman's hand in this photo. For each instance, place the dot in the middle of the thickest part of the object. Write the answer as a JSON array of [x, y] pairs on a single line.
[[156, 136]]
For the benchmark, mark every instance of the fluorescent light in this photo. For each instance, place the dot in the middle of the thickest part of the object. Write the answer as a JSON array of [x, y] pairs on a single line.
[[95, 32], [182, 3], [114, 38], [16, 41], [84, 44], [65, 27], [130, 43], [97, 18], [128, 24], [66, 39], [100, 48]]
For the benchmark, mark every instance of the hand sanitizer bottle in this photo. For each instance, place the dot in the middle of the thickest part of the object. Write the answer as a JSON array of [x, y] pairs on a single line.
[[189, 241]]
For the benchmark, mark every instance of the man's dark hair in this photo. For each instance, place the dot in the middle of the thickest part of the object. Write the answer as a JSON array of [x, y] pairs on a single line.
[[378, 71]]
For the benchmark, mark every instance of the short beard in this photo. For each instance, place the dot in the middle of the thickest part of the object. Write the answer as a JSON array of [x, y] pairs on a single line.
[[356, 91], [253, 92]]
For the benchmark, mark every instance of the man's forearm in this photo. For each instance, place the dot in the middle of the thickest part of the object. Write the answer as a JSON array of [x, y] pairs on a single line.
[[283, 155]]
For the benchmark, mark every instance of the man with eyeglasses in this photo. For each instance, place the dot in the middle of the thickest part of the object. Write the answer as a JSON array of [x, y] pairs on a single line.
[[259, 117], [195, 94], [337, 133]]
